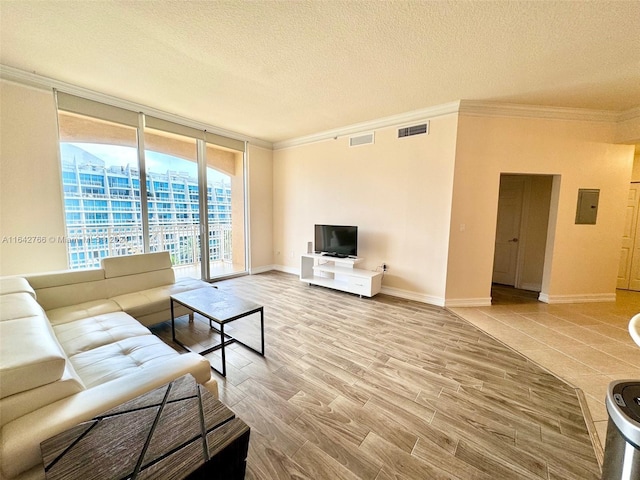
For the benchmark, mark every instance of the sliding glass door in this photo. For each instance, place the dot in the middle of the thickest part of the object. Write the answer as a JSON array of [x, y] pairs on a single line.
[[173, 196], [135, 183], [225, 174]]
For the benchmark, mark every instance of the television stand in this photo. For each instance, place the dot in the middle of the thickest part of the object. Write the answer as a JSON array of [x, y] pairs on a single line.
[[339, 273]]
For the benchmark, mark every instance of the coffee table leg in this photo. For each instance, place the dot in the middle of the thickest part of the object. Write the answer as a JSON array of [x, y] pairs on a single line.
[[173, 322], [262, 329], [224, 363]]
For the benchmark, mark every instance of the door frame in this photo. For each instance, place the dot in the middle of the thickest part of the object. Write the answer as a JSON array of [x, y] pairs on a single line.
[[524, 224]]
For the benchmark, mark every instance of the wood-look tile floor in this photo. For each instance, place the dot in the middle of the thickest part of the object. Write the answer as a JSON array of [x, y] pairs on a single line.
[[586, 344], [386, 388]]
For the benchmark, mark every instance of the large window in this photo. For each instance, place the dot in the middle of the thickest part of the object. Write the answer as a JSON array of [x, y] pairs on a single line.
[[107, 213], [99, 161], [172, 165]]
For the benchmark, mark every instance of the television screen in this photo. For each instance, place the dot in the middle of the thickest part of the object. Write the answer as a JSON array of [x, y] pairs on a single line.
[[337, 240]]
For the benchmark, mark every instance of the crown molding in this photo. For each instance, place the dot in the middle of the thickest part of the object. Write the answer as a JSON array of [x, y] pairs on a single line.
[[368, 126], [471, 108], [46, 83], [490, 109]]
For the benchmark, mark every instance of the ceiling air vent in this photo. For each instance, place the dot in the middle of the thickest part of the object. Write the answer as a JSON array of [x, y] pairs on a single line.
[[413, 130], [361, 140]]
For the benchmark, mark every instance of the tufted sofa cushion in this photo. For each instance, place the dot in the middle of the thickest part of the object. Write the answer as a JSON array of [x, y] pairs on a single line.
[[123, 358], [93, 332], [72, 313]]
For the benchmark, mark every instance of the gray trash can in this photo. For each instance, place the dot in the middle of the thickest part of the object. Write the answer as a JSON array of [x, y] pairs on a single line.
[[622, 448]]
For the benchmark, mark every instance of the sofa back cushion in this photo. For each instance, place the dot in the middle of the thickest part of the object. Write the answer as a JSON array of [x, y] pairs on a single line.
[[15, 285], [133, 273], [61, 289], [18, 305], [30, 355]]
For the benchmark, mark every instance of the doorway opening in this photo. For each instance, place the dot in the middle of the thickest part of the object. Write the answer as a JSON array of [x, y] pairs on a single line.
[[524, 205], [629, 268]]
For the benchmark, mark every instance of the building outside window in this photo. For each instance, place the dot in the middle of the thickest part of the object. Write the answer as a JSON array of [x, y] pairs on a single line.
[[97, 214]]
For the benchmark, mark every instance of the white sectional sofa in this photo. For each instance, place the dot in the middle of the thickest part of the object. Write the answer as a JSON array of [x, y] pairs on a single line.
[[74, 344]]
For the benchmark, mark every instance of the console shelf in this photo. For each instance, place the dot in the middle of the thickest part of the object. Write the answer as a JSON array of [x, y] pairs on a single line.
[[339, 274]]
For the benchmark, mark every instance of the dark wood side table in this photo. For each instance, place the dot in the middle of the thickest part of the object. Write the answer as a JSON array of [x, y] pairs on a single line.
[[178, 431]]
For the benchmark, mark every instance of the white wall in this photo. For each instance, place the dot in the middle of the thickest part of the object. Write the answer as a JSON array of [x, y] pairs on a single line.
[[582, 260], [397, 191], [30, 188]]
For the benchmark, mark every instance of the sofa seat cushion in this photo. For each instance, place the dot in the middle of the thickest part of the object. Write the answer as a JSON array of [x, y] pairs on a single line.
[[122, 358], [30, 355], [93, 332], [19, 305], [15, 285], [72, 313], [153, 300]]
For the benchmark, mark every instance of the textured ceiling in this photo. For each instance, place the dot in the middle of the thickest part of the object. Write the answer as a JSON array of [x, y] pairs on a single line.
[[281, 70]]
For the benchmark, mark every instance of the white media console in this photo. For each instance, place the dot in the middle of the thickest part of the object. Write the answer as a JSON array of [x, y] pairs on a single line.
[[338, 273]]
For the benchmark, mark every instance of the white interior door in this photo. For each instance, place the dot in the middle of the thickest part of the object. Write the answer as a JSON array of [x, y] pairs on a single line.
[[505, 261], [629, 269]]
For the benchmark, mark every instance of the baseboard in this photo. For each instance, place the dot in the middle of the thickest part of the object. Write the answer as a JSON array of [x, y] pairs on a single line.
[[265, 268], [285, 269], [418, 297], [585, 298], [468, 302]]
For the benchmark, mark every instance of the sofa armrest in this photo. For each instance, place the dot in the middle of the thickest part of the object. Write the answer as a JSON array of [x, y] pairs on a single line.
[[21, 438], [30, 355]]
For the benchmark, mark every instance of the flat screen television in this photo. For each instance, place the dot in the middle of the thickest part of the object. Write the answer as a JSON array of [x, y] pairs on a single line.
[[336, 240]]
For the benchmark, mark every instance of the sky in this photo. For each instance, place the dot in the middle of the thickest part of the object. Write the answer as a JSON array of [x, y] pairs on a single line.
[[155, 161]]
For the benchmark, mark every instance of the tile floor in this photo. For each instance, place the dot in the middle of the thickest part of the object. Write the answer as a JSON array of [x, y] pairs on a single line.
[[587, 344]]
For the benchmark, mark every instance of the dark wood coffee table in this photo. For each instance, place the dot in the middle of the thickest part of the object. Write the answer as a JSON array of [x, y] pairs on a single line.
[[176, 431], [221, 308]]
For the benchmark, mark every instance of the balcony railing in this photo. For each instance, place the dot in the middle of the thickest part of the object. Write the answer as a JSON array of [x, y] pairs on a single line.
[[87, 245]]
